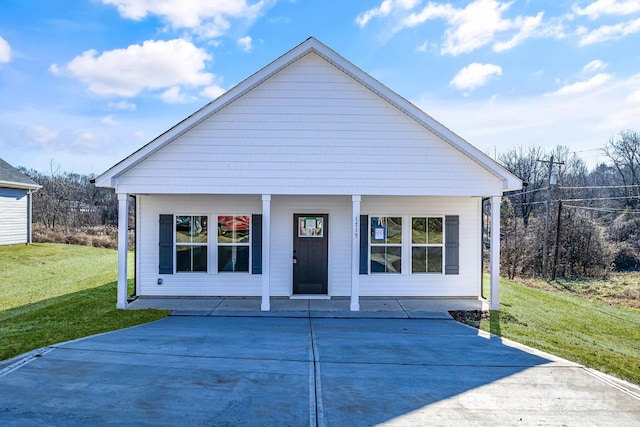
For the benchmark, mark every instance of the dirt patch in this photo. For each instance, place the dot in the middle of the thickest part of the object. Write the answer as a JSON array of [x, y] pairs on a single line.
[[470, 317]]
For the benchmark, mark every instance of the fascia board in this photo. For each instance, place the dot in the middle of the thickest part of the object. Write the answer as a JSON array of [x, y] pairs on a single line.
[[19, 185]]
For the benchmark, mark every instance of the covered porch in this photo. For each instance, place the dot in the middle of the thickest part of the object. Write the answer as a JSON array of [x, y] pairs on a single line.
[[267, 296]]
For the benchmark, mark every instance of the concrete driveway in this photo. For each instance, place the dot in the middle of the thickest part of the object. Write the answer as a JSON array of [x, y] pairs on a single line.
[[298, 371]]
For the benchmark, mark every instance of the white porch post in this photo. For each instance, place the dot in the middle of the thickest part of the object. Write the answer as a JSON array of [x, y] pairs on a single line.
[[266, 243], [355, 253], [495, 253], [30, 216], [123, 248]]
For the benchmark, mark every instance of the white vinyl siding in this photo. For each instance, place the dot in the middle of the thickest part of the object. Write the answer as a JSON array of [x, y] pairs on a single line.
[[13, 216], [467, 283], [210, 283], [310, 129]]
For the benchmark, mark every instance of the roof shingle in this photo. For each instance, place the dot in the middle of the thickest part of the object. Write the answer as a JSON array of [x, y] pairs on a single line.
[[14, 178]]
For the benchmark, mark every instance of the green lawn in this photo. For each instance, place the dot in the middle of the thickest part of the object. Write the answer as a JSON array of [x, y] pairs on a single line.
[[52, 293], [598, 335]]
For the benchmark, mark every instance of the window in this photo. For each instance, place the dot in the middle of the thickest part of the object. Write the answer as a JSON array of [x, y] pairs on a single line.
[[191, 243], [427, 239], [386, 244], [234, 243]]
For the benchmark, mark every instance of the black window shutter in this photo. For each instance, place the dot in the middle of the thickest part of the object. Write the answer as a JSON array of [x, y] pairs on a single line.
[[452, 244], [165, 254], [256, 244], [364, 244]]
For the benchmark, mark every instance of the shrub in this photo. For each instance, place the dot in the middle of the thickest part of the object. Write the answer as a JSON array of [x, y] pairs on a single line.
[[97, 236]]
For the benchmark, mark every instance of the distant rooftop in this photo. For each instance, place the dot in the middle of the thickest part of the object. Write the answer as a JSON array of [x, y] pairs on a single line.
[[13, 178]]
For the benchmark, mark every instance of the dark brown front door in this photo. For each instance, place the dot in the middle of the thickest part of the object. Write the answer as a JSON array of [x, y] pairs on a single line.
[[310, 253]]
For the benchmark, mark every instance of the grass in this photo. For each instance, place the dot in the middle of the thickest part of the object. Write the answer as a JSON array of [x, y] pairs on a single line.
[[53, 293], [593, 333]]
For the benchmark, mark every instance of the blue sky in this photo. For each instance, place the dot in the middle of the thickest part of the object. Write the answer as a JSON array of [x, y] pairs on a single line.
[[84, 83]]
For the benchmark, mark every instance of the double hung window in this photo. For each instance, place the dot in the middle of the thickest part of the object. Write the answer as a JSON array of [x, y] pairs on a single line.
[[191, 243], [234, 241], [427, 240], [386, 244]]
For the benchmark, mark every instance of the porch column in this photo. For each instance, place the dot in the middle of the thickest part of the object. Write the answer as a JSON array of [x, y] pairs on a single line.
[[495, 254], [123, 248], [355, 253], [266, 243]]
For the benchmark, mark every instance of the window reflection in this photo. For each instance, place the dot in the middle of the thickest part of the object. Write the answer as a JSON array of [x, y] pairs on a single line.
[[191, 243], [427, 237], [234, 238]]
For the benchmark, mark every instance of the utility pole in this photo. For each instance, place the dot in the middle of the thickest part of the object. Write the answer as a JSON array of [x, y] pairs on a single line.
[[545, 243], [557, 249]]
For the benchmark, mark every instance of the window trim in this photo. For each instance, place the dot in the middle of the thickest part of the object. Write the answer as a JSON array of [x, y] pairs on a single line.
[[428, 245], [386, 245], [192, 244], [407, 245], [248, 245]]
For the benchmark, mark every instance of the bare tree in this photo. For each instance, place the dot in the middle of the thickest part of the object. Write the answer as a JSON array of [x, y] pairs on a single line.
[[624, 152], [523, 162]]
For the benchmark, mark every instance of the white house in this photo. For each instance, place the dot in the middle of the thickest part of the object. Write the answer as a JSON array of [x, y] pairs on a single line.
[[308, 179], [16, 191]]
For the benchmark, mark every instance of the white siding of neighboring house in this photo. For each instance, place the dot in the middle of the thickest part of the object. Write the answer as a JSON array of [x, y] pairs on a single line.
[[467, 283], [13, 216], [309, 129]]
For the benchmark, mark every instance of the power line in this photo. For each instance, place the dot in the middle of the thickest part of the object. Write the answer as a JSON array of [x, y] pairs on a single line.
[[599, 187], [611, 210], [593, 187], [597, 198]]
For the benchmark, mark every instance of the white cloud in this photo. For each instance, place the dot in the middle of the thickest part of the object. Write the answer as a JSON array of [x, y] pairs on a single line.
[[207, 18], [152, 65], [608, 32], [386, 8], [583, 121], [584, 86], [593, 66], [212, 92], [634, 97], [245, 43], [174, 95], [5, 51], [475, 75], [478, 23], [527, 28], [608, 7], [40, 135], [109, 120], [469, 28], [123, 105]]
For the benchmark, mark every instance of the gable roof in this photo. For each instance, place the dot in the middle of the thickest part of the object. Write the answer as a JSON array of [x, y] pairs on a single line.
[[11, 177], [311, 45]]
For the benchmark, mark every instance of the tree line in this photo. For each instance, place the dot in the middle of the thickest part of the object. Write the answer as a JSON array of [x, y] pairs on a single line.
[[592, 225], [69, 201], [593, 220]]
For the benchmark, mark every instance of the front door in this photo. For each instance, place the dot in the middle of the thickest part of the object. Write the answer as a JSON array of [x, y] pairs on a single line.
[[310, 253]]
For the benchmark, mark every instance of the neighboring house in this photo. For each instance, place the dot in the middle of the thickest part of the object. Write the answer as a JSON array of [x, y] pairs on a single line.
[[16, 191], [309, 179]]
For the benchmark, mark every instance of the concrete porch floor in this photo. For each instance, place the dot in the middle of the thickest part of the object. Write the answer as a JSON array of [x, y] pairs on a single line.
[[397, 308]]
